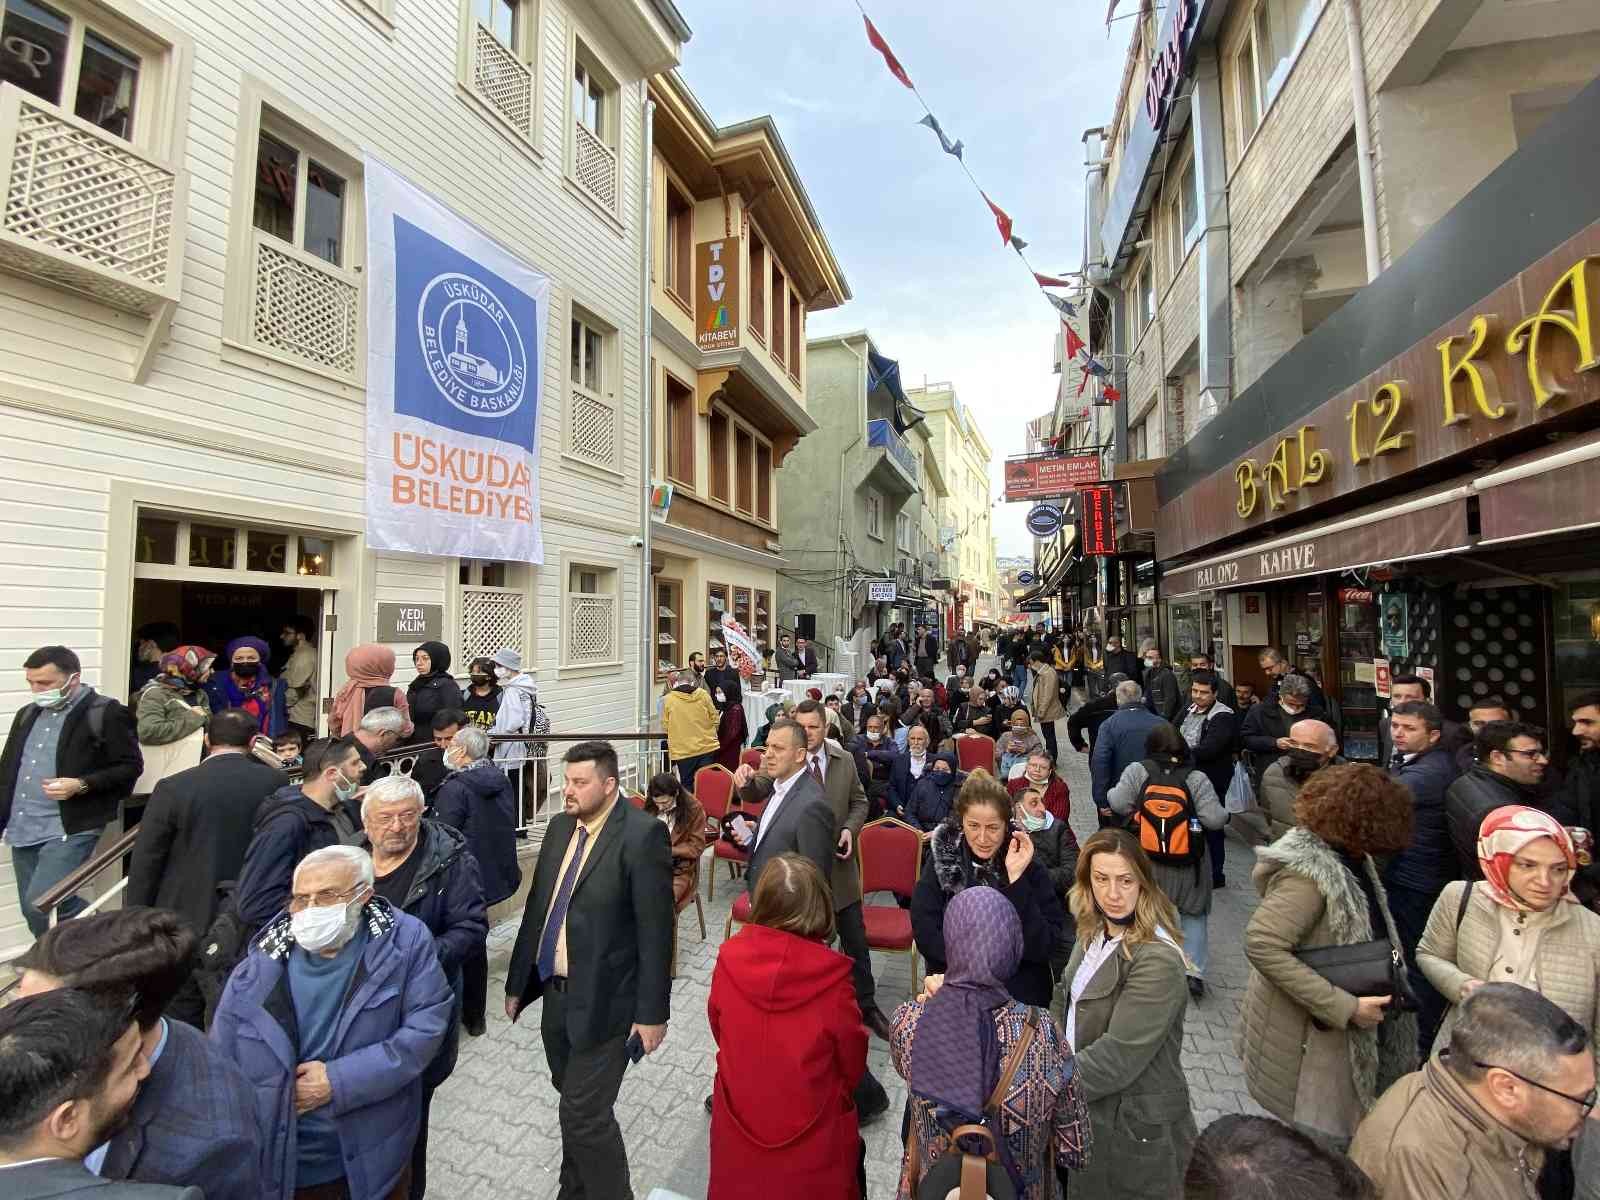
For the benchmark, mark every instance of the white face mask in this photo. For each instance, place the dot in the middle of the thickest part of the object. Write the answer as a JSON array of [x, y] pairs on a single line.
[[1151, 662], [873, 735], [325, 926], [504, 673]]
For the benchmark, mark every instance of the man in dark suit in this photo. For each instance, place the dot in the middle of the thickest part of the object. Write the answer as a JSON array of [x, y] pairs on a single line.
[[70, 1069], [596, 944], [797, 818], [1414, 689], [199, 822], [195, 1121], [807, 654]]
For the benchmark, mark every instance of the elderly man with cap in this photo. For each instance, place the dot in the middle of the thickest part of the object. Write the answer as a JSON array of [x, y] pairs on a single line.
[[518, 709]]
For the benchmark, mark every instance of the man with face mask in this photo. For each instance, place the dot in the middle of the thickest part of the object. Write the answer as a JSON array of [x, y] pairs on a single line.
[[1119, 661], [294, 821], [1312, 746], [349, 990], [1265, 730], [71, 758]]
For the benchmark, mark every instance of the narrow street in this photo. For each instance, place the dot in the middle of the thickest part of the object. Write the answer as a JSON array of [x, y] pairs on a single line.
[[494, 1131]]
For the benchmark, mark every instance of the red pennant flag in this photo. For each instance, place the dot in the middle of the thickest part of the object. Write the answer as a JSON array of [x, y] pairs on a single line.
[[1084, 379], [1111, 393], [1050, 281], [1001, 220], [882, 47], [1074, 342]]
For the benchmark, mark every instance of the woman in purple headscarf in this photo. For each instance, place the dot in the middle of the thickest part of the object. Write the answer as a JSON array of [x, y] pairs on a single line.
[[953, 1044], [246, 684]]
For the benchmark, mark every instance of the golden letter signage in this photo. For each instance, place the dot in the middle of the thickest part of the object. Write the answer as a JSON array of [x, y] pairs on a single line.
[[716, 294]]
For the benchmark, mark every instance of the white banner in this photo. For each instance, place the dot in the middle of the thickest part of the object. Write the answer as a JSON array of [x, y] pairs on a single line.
[[455, 338]]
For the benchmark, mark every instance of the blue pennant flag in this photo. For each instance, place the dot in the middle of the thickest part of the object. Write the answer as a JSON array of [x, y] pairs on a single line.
[[949, 147], [1096, 368], [1063, 306], [1018, 244]]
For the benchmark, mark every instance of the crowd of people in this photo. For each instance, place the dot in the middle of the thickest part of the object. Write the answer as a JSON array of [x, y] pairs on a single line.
[[303, 940]]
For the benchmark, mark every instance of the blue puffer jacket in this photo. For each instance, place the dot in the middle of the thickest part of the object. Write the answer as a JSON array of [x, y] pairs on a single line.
[[934, 794], [482, 803], [392, 1023], [1430, 861]]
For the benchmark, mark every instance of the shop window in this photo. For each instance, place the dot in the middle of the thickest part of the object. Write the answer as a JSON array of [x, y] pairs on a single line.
[[1278, 32], [757, 275], [717, 441], [498, 62], [266, 551], [669, 624], [315, 557], [590, 608], [777, 314], [742, 601], [680, 432], [680, 245], [763, 614], [591, 430], [718, 598], [212, 546]]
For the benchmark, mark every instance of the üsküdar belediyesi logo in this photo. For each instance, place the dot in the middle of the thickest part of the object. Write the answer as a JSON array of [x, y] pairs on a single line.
[[472, 347]]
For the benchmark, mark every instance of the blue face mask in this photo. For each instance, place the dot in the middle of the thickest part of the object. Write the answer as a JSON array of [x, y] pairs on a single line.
[[1032, 823]]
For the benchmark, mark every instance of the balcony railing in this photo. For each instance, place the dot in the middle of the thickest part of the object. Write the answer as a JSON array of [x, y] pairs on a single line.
[[305, 309], [881, 433], [503, 80], [595, 165], [85, 210]]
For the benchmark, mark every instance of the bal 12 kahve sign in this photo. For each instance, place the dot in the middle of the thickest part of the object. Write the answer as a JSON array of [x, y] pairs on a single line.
[[455, 326]]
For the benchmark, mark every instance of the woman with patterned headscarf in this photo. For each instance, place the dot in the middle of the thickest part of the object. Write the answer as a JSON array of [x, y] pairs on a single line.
[[173, 704], [248, 685], [1521, 924]]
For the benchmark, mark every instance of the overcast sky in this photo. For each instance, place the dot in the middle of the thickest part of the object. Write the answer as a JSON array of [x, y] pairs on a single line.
[[1018, 82]]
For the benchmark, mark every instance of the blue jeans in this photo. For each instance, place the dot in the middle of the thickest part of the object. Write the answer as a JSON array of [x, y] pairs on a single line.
[[39, 868], [1195, 940]]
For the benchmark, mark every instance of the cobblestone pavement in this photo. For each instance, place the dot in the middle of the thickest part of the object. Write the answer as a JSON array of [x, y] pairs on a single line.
[[494, 1129]]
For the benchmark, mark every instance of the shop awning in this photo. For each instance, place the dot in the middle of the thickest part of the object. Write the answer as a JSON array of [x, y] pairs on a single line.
[[1426, 525], [1553, 491]]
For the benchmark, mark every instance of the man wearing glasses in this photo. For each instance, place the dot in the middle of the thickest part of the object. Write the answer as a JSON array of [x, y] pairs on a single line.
[[335, 1016], [1517, 1080], [1509, 769]]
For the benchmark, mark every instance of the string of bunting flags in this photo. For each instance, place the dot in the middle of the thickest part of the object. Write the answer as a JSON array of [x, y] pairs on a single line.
[[1064, 308]]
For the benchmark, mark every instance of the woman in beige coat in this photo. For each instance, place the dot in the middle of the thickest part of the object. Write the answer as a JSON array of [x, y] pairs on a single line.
[[1522, 924], [1314, 1055]]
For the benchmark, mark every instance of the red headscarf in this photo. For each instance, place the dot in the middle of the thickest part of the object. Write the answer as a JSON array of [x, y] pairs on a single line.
[[1503, 835]]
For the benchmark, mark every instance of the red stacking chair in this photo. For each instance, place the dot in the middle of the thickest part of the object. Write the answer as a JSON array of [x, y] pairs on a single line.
[[637, 799], [891, 861], [750, 758], [974, 750], [713, 787]]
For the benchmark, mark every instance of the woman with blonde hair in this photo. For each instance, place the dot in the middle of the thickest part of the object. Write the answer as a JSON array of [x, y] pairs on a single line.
[[367, 669], [790, 1048], [1125, 1012]]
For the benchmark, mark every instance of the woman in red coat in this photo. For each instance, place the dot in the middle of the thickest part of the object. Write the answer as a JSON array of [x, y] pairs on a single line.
[[1041, 774], [790, 1048]]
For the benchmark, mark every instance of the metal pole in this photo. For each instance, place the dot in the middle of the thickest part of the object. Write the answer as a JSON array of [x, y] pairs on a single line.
[[647, 608], [1363, 117]]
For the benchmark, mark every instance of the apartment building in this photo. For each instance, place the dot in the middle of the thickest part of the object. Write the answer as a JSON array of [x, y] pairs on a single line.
[[1328, 239], [740, 260], [183, 317], [963, 455]]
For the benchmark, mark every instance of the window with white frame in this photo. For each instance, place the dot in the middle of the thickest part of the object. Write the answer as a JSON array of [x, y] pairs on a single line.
[[902, 532], [1144, 298], [592, 435], [1189, 203], [589, 635], [497, 65], [875, 515], [595, 116], [66, 55], [1278, 32], [298, 295]]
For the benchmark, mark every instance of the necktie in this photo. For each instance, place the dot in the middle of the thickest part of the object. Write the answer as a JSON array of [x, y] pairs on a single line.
[[1398, 761], [558, 910], [816, 769]]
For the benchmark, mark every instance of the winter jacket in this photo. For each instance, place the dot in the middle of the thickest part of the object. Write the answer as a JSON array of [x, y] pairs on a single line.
[[790, 1050], [1568, 971], [902, 783], [1428, 1138], [394, 1020], [1026, 743], [1129, 1042], [98, 747], [1475, 795], [289, 826], [1430, 861], [1187, 885], [167, 714], [1045, 697], [1277, 793], [1265, 723], [430, 694], [1055, 848], [481, 802], [1088, 718], [1119, 744], [515, 715], [1057, 798], [194, 1123], [691, 722], [1123, 662], [1213, 753], [1304, 1059], [1580, 800], [934, 794], [1161, 695], [946, 871]]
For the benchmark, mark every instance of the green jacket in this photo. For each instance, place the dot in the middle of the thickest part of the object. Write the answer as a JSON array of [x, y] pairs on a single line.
[[1129, 1047], [166, 715]]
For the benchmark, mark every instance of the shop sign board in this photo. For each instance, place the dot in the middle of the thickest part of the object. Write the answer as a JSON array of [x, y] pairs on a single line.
[[1099, 521], [1349, 595], [716, 294], [1394, 626], [455, 339], [1043, 520], [1525, 355], [1033, 606], [1049, 475], [409, 623], [1026, 577], [1426, 675], [881, 592]]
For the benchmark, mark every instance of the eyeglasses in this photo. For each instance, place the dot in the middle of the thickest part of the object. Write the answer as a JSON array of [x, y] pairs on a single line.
[[1585, 1103], [326, 898], [397, 820], [1533, 755]]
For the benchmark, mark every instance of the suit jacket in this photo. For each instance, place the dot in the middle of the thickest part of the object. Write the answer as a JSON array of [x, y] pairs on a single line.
[[847, 800], [619, 927], [803, 824], [194, 1121], [195, 833], [1453, 736], [57, 1177]]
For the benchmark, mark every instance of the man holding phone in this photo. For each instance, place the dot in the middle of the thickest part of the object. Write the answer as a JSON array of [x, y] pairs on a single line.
[[596, 945]]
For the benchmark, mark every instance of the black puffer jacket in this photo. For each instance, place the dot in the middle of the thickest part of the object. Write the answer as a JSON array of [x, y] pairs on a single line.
[[482, 803], [434, 692], [1475, 795], [948, 869], [289, 826]]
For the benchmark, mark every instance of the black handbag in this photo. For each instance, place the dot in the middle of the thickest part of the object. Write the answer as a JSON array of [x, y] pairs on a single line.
[[1375, 968]]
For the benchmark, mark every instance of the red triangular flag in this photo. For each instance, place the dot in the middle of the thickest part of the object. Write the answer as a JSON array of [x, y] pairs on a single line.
[[1000, 218], [1082, 381], [1050, 281], [882, 47], [1111, 393], [1074, 342]]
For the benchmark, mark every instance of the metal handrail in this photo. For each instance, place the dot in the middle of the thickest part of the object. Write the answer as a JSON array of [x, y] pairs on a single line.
[[74, 880]]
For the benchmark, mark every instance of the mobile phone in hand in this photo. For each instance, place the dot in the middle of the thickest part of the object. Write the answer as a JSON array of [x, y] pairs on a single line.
[[635, 1047]]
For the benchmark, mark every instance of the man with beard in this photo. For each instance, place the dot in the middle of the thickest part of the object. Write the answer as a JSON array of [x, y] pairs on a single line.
[[70, 1069], [1312, 746], [1581, 794]]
